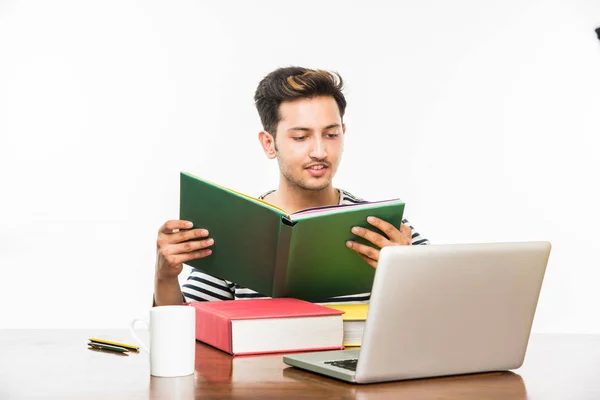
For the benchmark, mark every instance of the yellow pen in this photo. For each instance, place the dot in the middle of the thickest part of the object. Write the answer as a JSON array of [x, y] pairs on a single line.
[[125, 346], [102, 346]]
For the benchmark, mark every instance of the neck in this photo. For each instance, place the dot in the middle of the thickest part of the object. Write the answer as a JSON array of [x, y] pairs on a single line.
[[293, 198]]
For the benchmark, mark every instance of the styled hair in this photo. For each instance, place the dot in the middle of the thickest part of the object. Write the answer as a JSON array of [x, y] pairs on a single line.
[[292, 83]]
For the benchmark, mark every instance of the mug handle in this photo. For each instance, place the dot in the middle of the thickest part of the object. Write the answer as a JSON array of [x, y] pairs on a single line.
[[135, 336]]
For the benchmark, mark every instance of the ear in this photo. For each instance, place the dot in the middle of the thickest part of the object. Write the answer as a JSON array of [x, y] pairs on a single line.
[[343, 128], [268, 144]]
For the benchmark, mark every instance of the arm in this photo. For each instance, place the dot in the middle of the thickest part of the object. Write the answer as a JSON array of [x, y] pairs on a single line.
[[167, 292]]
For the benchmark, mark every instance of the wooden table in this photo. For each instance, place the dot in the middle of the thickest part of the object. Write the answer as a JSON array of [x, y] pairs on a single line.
[[56, 364]]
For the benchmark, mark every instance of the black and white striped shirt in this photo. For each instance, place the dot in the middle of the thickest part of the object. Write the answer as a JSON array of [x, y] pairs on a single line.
[[203, 287]]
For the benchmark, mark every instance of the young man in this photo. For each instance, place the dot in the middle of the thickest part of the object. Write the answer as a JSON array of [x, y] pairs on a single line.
[[302, 113]]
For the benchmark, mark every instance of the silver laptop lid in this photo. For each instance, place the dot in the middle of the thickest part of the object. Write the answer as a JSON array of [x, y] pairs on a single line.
[[451, 309]]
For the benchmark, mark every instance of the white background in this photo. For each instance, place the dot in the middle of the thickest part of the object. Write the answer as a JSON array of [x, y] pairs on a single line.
[[483, 116]]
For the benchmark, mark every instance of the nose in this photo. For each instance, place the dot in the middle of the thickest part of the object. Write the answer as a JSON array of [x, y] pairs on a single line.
[[318, 149]]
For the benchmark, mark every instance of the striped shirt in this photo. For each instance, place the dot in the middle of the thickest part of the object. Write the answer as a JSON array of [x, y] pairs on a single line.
[[203, 287]]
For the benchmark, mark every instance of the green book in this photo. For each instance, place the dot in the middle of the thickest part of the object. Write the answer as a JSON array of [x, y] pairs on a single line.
[[261, 247]]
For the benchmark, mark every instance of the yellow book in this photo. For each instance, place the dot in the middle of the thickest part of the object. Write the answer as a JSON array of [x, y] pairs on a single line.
[[352, 312], [354, 318]]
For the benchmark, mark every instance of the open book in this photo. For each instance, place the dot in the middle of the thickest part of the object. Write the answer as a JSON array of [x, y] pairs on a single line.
[[261, 247]]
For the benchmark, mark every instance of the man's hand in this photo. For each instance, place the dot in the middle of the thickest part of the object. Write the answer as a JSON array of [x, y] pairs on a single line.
[[173, 248], [395, 237]]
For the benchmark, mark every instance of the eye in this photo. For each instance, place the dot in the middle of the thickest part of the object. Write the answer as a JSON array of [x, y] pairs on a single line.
[[299, 138], [332, 135]]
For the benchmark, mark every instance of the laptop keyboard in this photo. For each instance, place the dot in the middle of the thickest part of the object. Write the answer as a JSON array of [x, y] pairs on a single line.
[[346, 364]]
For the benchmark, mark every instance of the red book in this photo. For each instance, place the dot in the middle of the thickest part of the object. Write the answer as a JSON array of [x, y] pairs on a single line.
[[260, 326]]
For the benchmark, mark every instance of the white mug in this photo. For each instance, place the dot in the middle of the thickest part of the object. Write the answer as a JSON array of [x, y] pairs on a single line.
[[172, 340], [175, 388]]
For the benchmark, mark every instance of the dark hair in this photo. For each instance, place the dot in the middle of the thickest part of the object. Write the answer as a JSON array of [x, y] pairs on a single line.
[[293, 83]]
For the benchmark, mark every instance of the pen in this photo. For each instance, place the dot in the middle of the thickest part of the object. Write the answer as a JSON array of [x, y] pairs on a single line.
[[123, 345], [108, 347]]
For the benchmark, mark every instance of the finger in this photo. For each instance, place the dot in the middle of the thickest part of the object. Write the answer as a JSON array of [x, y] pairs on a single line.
[[169, 226], [368, 251], [183, 236], [188, 247], [369, 261], [371, 236], [390, 230], [407, 232], [182, 258], [189, 234]]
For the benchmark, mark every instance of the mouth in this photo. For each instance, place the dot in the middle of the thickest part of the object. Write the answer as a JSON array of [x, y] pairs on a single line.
[[317, 170]]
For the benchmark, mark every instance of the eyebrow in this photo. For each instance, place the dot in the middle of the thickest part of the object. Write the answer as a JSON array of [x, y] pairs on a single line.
[[305, 129]]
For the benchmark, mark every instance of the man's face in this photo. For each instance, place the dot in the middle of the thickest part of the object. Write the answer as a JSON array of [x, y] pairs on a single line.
[[309, 142]]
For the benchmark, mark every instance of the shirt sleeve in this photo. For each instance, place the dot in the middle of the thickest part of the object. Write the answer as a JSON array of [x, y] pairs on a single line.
[[417, 239], [203, 287]]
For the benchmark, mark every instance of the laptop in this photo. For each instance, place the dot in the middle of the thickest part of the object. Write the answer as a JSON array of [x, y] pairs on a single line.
[[441, 310]]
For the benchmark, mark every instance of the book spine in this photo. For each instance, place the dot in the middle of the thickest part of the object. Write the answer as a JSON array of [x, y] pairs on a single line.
[[281, 258], [214, 329]]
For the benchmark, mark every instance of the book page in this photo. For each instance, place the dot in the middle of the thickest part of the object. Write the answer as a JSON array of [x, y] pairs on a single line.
[[340, 208]]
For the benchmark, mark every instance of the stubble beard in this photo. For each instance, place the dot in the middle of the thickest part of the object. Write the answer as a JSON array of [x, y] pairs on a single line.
[[288, 174]]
